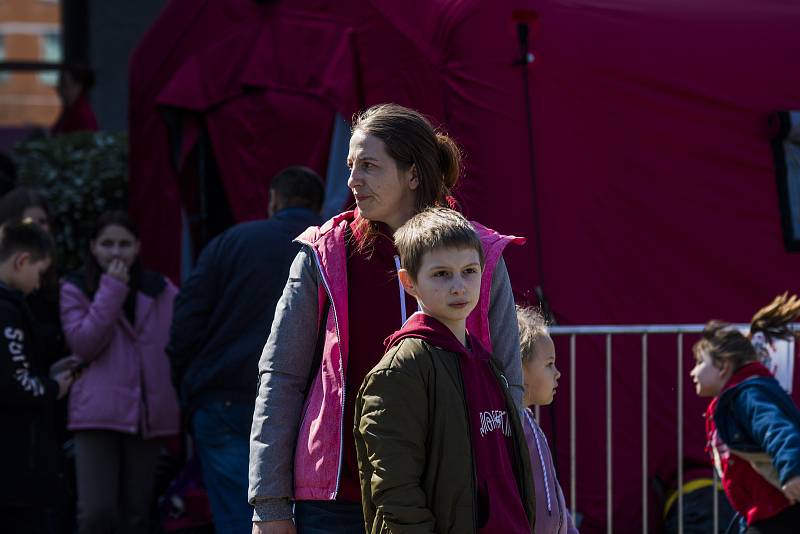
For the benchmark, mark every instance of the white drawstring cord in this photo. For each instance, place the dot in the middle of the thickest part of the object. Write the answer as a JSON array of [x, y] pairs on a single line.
[[402, 291], [541, 458]]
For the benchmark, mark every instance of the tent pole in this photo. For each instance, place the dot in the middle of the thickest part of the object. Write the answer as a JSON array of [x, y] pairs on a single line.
[[524, 60]]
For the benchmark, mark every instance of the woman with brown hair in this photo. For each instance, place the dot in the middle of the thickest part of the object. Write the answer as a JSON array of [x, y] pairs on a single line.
[[342, 299]]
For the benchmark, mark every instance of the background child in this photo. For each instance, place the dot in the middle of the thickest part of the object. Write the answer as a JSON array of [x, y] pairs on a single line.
[[752, 425], [540, 378], [435, 415], [116, 319], [29, 452]]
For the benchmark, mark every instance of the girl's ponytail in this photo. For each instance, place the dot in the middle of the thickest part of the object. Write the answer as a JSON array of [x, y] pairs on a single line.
[[724, 342], [773, 320], [449, 161]]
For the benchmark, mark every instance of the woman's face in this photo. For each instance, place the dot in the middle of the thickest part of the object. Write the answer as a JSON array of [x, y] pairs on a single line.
[[115, 242], [38, 216], [383, 193]]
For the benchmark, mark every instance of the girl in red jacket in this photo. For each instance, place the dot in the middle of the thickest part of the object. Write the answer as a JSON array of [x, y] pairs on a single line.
[[752, 425]]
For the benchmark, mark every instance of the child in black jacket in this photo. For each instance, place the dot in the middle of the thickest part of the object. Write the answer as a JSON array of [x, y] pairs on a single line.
[[29, 449]]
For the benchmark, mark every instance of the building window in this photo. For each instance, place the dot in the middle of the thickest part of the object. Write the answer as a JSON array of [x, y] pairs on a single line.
[[786, 148], [51, 53], [4, 74]]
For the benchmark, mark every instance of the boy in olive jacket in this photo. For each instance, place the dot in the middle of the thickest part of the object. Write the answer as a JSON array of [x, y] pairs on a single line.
[[439, 442]]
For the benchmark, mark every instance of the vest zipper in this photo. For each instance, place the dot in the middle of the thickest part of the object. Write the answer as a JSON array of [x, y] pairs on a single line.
[[341, 369]]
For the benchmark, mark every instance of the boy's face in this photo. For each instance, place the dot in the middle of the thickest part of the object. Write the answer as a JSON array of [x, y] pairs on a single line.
[[708, 378], [448, 285], [539, 374], [27, 273]]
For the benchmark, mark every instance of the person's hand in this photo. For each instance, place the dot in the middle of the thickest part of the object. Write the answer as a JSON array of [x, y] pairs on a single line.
[[64, 381], [64, 364], [118, 270], [284, 526], [791, 490]]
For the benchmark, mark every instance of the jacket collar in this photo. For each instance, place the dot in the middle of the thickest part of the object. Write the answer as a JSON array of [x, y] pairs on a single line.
[[151, 283], [745, 372], [433, 331]]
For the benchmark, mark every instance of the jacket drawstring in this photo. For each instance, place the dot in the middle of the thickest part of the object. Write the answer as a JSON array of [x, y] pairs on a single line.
[[403, 313], [541, 458]]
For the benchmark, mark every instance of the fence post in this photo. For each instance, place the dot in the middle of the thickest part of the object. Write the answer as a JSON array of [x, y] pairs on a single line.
[[609, 444], [572, 425], [644, 435], [680, 433]]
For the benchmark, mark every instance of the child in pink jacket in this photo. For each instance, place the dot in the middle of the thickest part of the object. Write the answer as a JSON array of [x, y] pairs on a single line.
[[116, 319], [540, 379]]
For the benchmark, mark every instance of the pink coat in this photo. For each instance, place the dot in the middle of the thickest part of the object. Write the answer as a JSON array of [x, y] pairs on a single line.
[[126, 386], [319, 442]]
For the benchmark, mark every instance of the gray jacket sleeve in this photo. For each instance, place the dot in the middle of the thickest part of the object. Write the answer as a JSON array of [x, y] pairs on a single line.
[[504, 331], [283, 371]]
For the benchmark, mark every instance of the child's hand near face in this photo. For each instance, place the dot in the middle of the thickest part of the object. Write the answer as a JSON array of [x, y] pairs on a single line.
[[118, 270], [64, 364], [64, 380], [792, 489]]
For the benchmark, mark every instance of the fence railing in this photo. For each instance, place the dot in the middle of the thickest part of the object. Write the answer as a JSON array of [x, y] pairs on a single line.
[[644, 332]]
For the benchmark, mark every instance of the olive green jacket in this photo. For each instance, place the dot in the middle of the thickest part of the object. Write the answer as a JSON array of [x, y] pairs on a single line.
[[414, 448]]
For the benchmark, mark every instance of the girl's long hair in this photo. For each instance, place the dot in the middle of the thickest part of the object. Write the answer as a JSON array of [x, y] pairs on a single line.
[[724, 342]]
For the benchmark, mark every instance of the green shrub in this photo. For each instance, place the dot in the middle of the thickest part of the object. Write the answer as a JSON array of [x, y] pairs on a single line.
[[81, 175]]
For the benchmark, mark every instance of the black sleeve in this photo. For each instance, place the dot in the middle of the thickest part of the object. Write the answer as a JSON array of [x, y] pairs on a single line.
[[193, 308], [18, 386]]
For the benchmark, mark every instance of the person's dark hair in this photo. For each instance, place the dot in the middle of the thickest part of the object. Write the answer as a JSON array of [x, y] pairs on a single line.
[[434, 229], [299, 187], [724, 342], [411, 140], [8, 173], [81, 73], [14, 203], [93, 271], [21, 236]]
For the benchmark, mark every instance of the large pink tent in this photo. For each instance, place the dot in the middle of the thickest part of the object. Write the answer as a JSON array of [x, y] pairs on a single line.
[[655, 188]]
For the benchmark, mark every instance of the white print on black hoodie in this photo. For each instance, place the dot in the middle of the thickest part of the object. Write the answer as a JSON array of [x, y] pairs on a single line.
[[15, 339], [19, 383]]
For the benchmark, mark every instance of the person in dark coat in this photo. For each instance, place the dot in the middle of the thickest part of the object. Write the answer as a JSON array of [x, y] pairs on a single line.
[[74, 84], [29, 387], [218, 332]]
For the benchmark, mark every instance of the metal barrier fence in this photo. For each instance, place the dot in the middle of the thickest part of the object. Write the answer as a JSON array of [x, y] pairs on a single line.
[[644, 331]]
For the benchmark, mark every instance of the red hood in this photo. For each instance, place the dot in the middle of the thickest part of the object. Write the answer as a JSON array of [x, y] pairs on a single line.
[[431, 330], [745, 372], [740, 375]]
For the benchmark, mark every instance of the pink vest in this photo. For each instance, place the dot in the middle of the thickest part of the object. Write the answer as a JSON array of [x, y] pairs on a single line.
[[318, 455]]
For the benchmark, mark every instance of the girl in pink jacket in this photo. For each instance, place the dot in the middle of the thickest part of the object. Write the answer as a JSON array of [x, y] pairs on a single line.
[[116, 319]]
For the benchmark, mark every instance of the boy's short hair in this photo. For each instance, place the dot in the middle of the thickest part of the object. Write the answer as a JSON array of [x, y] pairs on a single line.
[[25, 236], [433, 229], [532, 327]]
